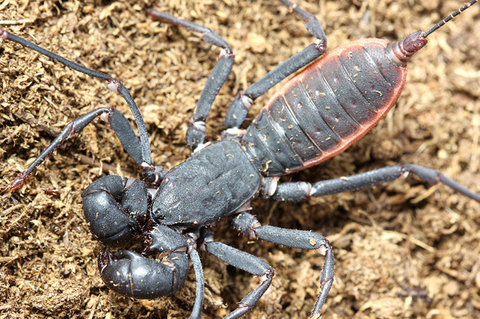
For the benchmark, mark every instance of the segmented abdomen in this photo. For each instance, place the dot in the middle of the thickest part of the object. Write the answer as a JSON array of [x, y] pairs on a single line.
[[325, 108]]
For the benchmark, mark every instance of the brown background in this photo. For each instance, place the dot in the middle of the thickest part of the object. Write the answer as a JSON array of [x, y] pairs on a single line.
[[403, 250]]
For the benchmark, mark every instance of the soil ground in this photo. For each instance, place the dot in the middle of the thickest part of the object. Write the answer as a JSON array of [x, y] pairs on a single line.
[[403, 250]]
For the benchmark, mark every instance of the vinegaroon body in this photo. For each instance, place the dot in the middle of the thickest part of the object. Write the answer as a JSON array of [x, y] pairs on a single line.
[[319, 113]]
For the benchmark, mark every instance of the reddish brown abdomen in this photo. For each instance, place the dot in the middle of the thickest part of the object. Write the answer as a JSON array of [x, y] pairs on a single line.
[[321, 111]]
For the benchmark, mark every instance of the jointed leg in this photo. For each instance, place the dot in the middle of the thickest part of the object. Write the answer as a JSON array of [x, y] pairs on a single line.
[[239, 108], [302, 190], [117, 121], [200, 282], [196, 127], [249, 226], [248, 263], [311, 23], [140, 152]]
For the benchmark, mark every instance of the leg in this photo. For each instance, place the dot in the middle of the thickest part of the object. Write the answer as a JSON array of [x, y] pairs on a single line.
[[292, 192], [163, 240], [140, 152], [239, 108], [311, 23], [196, 127], [200, 282], [248, 263], [117, 121], [249, 226]]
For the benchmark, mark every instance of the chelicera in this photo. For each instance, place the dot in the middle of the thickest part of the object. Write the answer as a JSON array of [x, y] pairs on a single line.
[[333, 102]]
